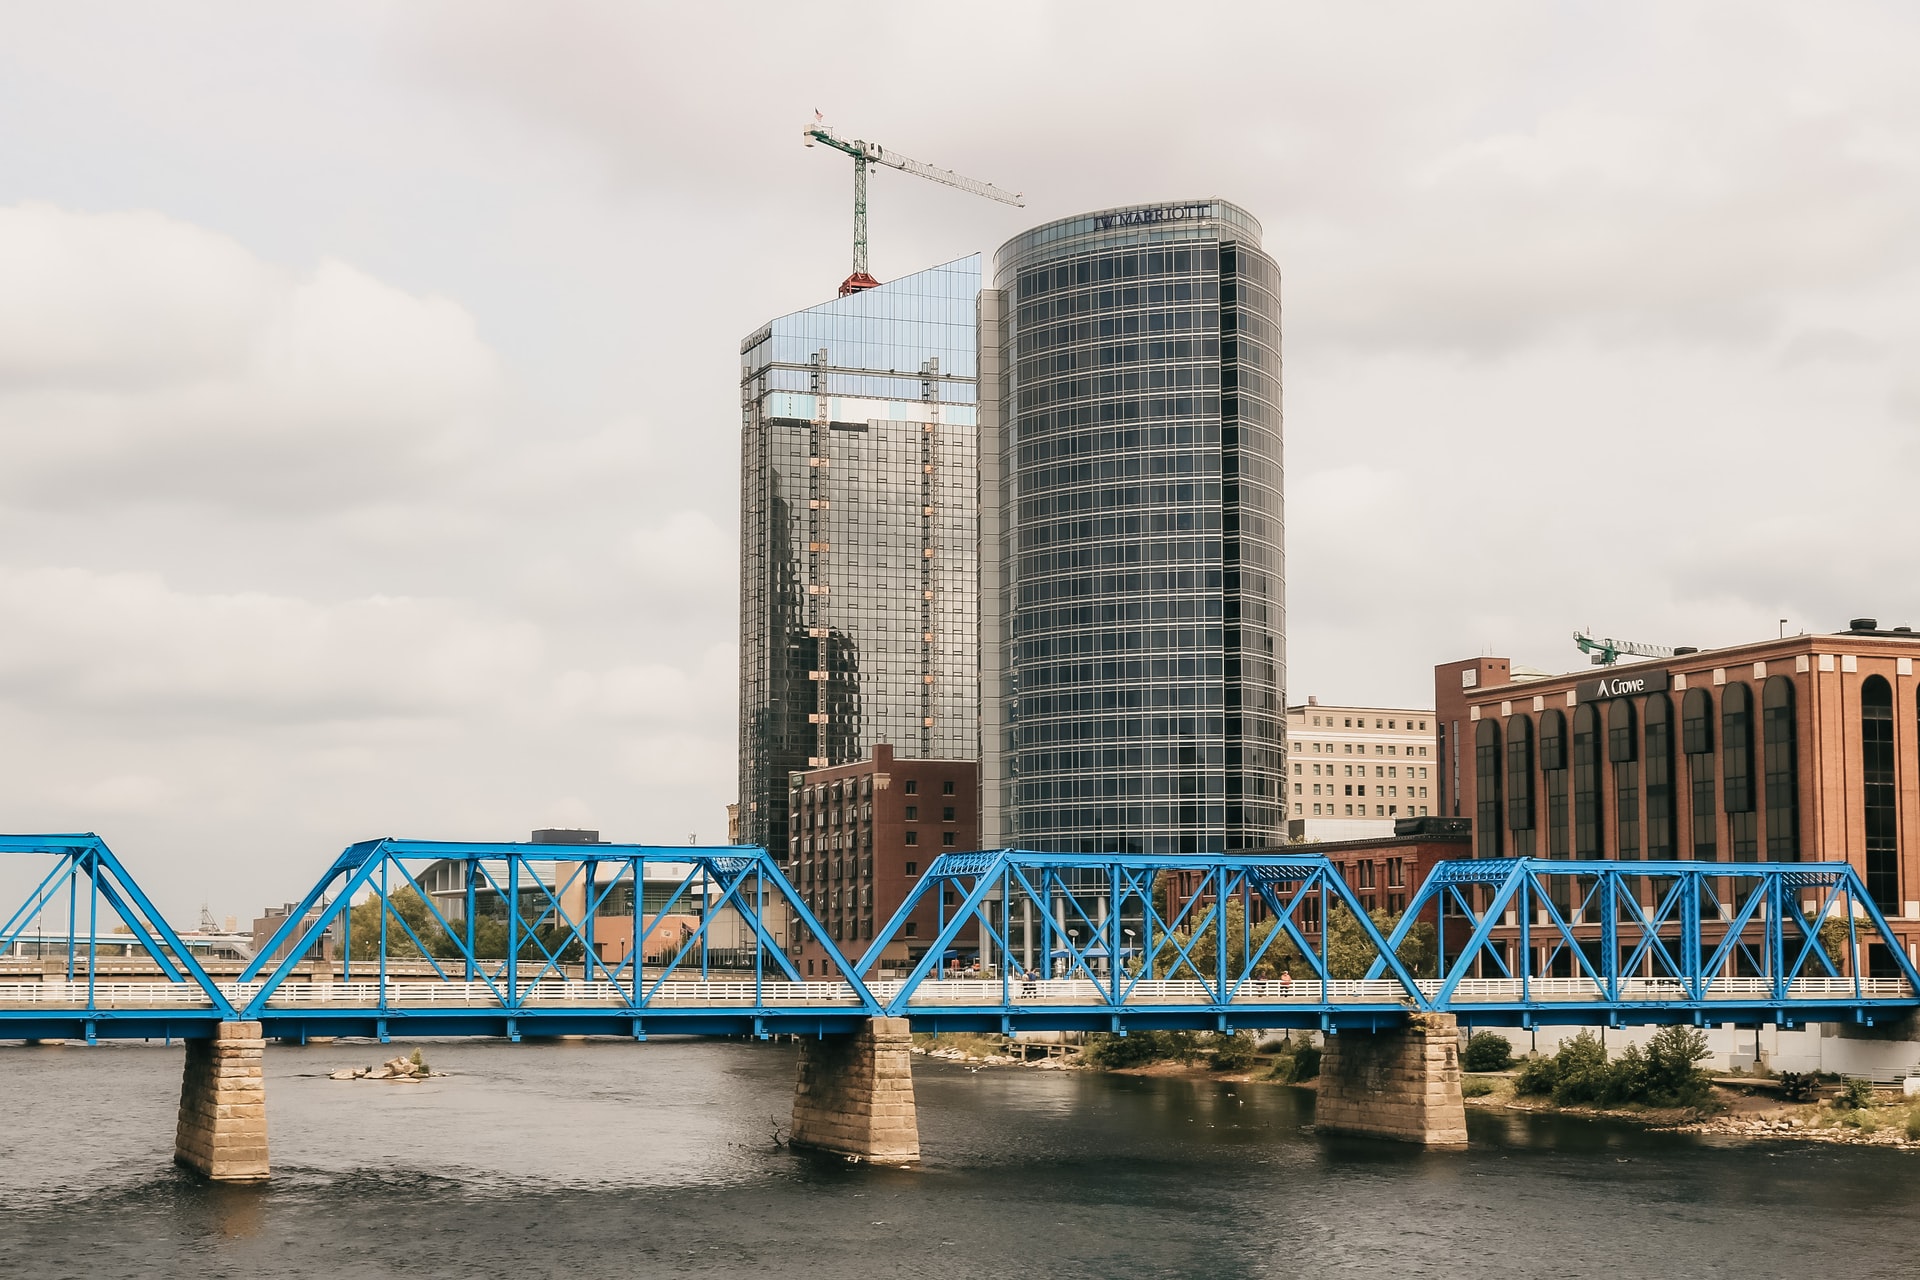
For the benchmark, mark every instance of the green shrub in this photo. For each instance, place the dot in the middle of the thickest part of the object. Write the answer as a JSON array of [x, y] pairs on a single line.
[[1672, 1078], [1235, 1052], [1626, 1078], [1476, 1086], [1580, 1070], [1110, 1051], [1487, 1051], [1855, 1095], [1913, 1122], [1296, 1062], [1538, 1075]]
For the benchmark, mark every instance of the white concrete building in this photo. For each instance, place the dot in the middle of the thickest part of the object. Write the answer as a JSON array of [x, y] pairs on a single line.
[[1354, 771]]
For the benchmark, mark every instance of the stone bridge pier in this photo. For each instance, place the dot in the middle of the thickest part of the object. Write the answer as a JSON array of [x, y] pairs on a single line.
[[222, 1135], [1402, 1083], [854, 1096]]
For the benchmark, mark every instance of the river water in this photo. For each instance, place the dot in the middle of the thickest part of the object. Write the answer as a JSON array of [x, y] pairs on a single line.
[[588, 1159]]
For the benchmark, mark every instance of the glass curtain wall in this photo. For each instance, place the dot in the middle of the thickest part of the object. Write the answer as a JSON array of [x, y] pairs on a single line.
[[1138, 675], [859, 592]]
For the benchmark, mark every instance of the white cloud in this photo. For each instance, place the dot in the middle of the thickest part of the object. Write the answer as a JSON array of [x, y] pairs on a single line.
[[144, 358], [128, 645]]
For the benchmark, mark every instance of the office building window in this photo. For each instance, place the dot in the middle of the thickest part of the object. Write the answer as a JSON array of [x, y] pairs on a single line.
[[1657, 767], [1487, 766], [1623, 752], [1586, 782], [1553, 770], [1520, 784], [1696, 738], [1879, 794], [1780, 732], [1736, 773]]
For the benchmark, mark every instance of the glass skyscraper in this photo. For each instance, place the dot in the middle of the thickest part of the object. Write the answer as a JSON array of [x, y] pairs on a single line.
[[1132, 564], [859, 596]]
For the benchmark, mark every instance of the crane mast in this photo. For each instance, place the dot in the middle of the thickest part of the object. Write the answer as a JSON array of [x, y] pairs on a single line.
[[871, 153]]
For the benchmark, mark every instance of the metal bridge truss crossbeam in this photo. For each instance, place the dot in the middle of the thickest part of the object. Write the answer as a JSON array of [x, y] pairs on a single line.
[[73, 991], [550, 977], [1640, 941], [1076, 917]]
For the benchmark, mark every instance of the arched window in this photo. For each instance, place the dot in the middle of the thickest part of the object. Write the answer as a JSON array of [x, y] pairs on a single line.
[[1879, 795], [1623, 750], [1736, 772], [1587, 824], [1520, 784], [1780, 739], [1553, 769], [1486, 789], [1657, 768], [1696, 739]]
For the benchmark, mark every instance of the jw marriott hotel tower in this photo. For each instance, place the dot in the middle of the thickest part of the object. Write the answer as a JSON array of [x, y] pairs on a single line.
[[859, 604], [1132, 572]]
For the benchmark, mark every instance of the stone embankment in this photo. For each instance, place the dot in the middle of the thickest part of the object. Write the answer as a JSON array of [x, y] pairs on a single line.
[[1878, 1130]]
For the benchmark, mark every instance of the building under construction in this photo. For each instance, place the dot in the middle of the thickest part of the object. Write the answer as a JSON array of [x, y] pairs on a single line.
[[859, 598]]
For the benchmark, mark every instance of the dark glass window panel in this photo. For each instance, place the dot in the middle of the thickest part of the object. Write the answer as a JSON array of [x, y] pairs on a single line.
[[1553, 767], [1700, 774], [1736, 751], [1587, 824], [1657, 777], [1781, 749], [1880, 799], [1487, 765], [1520, 804], [1622, 750], [1696, 722]]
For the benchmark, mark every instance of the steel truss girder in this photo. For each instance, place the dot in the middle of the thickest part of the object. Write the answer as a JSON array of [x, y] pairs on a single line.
[[1697, 923], [743, 878], [117, 910], [987, 885]]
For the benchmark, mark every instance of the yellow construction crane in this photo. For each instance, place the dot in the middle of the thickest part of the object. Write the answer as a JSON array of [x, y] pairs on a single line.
[[866, 153]]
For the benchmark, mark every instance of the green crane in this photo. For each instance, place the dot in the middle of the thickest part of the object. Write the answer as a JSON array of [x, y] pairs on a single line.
[[1604, 653], [866, 153]]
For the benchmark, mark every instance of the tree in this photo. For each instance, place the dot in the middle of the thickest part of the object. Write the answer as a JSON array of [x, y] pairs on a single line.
[[489, 933], [405, 906], [1280, 957], [1350, 952]]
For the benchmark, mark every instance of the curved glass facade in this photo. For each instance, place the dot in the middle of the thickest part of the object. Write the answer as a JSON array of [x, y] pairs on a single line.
[[1133, 639], [858, 529]]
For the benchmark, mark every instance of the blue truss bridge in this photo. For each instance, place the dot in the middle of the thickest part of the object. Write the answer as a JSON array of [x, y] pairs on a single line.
[[426, 946]]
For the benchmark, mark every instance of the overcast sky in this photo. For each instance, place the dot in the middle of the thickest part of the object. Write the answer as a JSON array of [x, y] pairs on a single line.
[[368, 374]]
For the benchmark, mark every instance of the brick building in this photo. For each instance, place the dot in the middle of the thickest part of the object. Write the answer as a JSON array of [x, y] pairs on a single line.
[[1804, 748], [858, 837]]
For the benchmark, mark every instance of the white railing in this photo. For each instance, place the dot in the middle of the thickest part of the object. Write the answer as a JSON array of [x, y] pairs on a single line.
[[103, 995], [948, 993], [564, 994]]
